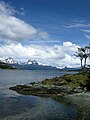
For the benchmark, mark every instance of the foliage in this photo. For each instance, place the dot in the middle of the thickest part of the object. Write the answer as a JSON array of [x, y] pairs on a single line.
[[83, 53], [71, 80]]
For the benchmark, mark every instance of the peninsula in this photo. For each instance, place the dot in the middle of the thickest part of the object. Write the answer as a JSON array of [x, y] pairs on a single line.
[[60, 86]]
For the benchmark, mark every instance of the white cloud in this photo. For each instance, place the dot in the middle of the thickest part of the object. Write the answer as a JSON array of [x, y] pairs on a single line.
[[87, 36], [77, 25], [32, 51], [15, 29], [57, 55], [82, 26], [67, 44], [70, 48], [6, 9], [12, 28], [87, 31], [70, 61], [43, 35]]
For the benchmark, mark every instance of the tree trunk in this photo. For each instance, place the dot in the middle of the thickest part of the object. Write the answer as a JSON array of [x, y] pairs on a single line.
[[85, 62], [81, 64]]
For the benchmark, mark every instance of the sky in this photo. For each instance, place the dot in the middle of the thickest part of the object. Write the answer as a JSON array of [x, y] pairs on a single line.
[[49, 31]]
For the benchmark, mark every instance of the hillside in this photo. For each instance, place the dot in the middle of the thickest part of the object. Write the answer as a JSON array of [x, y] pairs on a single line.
[[5, 66]]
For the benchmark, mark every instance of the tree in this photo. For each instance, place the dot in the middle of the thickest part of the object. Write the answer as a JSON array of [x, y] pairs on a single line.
[[88, 50], [87, 53], [83, 53], [80, 55]]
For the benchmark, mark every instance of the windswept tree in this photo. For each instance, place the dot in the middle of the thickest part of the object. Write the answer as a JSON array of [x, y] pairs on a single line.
[[83, 53], [87, 55], [88, 50], [80, 55]]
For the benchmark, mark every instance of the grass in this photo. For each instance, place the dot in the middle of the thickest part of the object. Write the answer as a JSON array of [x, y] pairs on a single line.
[[71, 80], [67, 84]]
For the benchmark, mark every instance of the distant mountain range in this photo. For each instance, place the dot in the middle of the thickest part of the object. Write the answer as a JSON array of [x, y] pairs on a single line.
[[29, 65], [5, 66], [71, 69], [10, 63]]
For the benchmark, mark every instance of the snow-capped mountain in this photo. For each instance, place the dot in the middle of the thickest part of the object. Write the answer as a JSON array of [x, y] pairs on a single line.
[[32, 62], [29, 65], [9, 61]]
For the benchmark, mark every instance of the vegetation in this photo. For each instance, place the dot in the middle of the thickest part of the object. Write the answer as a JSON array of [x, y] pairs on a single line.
[[83, 53], [71, 80], [67, 84]]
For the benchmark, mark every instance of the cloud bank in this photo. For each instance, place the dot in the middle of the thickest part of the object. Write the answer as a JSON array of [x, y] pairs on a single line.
[[57, 55], [15, 29]]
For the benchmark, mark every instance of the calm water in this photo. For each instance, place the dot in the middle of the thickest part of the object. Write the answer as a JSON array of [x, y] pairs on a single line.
[[19, 107]]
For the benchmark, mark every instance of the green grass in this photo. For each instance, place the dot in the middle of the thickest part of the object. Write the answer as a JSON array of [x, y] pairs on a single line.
[[67, 84], [71, 80]]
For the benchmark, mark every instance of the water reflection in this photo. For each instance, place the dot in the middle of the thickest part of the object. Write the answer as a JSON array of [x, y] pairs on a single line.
[[36, 108], [14, 106]]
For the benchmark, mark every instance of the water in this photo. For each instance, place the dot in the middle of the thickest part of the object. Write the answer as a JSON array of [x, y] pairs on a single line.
[[14, 106]]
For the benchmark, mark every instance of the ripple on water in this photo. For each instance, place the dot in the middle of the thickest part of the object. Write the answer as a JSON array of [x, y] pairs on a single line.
[[36, 108]]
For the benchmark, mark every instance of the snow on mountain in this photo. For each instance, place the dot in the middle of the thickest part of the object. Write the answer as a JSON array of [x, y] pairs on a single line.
[[32, 62], [29, 65], [9, 60]]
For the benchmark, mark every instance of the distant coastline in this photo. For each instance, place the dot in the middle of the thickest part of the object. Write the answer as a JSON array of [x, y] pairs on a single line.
[[10, 63], [5, 66]]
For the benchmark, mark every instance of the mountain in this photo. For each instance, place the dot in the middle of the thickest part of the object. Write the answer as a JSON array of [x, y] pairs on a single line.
[[71, 69], [9, 61], [32, 62], [5, 66], [29, 65]]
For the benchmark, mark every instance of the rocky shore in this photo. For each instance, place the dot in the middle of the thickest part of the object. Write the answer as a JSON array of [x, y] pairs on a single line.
[[60, 86]]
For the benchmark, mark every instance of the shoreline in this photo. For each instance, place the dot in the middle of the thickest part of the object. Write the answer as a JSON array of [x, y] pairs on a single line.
[[58, 86], [73, 88]]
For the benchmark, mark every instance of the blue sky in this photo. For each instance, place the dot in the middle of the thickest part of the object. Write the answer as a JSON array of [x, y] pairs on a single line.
[[53, 22], [53, 15]]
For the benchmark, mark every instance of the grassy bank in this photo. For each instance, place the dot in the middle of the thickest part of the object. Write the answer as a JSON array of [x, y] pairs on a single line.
[[72, 80], [64, 85]]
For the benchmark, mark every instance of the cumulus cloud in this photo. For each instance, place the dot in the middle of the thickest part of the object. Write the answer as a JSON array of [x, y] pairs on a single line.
[[68, 44], [12, 28], [43, 35], [57, 55], [6, 9], [70, 61], [70, 48], [15, 29], [32, 51]]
